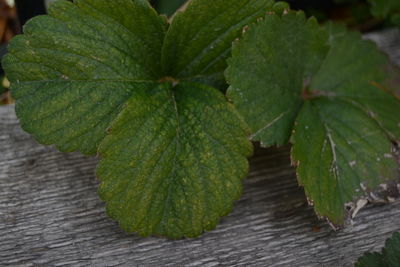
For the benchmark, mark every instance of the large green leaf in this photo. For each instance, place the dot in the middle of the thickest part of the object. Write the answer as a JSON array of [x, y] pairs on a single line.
[[324, 90], [173, 161], [72, 70], [115, 75], [390, 256], [198, 43]]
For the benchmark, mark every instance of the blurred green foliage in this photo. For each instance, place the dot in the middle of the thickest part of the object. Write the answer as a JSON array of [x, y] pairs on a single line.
[[389, 9], [364, 15], [2, 89]]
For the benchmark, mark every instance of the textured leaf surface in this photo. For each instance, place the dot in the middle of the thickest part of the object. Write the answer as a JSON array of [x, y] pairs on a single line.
[[181, 154], [92, 74], [71, 70], [199, 39], [390, 256], [292, 79], [266, 78]]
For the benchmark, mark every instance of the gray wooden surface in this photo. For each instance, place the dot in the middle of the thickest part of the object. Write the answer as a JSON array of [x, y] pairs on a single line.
[[50, 214]]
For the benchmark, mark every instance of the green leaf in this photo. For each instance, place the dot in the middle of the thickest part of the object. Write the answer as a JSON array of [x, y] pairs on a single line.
[[390, 256], [265, 78], [181, 153], [383, 8], [199, 39], [72, 70], [114, 76], [294, 80], [386, 9]]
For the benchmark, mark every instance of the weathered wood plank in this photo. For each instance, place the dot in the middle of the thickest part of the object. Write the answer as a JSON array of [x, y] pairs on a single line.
[[50, 214]]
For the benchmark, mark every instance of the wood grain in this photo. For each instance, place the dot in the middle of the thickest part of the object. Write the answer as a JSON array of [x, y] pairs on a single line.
[[50, 214]]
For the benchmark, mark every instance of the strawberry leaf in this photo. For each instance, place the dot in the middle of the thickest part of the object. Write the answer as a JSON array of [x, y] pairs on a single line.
[[294, 80], [390, 256], [173, 161], [263, 86], [199, 39], [113, 77], [72, 70]]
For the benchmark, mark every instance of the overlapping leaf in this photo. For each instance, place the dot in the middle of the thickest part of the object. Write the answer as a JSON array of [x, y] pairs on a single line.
[[323, 89], [173, 161], [386, 8], [72, 70], [198, 43], [390, 256], [175, 154]]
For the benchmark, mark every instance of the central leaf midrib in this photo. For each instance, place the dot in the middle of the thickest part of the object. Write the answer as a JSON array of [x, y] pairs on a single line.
[[334, 156], [173, 177], [338, 151], [86, 81], [125, 28]]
